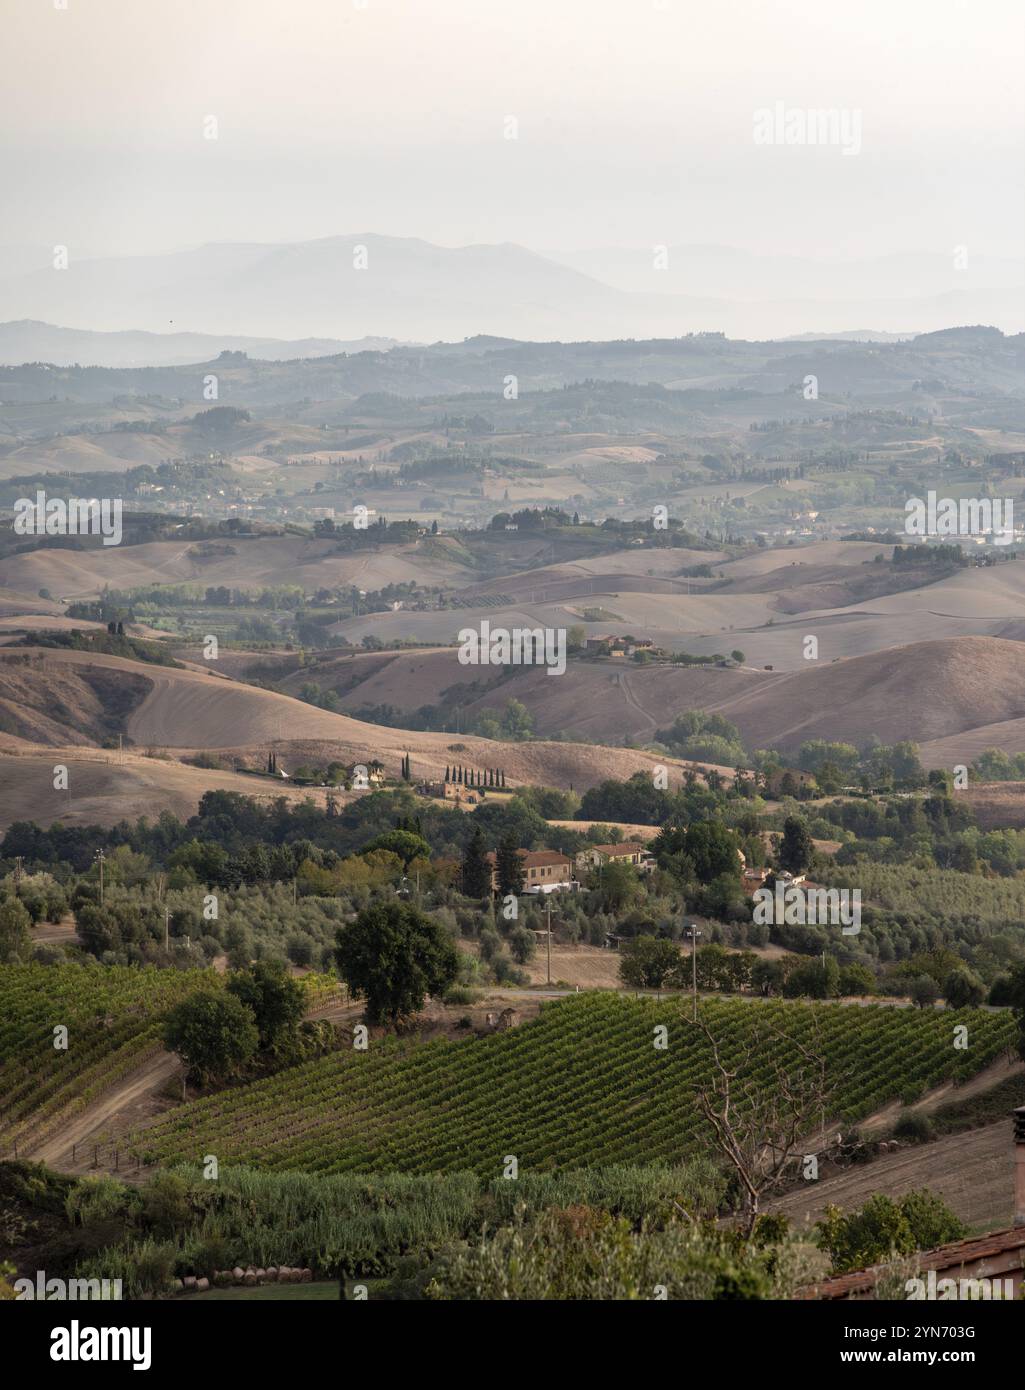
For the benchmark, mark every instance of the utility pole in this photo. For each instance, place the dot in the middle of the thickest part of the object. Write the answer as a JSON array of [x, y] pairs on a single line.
[[100, 858], [692, 934], [548, 907], [17, 873], [167, 928]]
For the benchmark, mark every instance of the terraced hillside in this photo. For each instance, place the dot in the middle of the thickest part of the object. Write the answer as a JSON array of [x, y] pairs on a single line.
[[581, 1085]]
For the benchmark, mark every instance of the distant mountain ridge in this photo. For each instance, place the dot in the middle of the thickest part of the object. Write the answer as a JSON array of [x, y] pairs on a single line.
[[28, 340], [365, 284]]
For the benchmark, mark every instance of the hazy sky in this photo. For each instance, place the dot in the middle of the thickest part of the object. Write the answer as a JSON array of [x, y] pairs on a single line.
[[635, 122]]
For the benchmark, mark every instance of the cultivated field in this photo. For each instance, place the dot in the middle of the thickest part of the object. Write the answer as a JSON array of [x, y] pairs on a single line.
[[580, 1085]]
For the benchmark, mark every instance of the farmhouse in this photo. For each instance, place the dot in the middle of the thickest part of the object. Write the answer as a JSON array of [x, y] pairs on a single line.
[[544, 871], [786, 781], [629, 852], [457, 792], [618, 646]]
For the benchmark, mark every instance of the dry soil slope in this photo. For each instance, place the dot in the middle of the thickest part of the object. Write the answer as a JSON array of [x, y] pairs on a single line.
[[972, 1172], [103, 791], [924, 691], [958, 693], [186, 710]]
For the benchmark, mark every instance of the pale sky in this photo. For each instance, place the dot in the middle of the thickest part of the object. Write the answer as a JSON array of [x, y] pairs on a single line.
[[635, 122]]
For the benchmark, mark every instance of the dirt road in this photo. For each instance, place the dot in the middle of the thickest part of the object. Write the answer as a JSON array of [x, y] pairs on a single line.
[[138, 1084]]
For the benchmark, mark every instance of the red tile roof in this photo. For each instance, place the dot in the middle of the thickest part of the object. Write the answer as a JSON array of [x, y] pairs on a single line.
[[944, 1257]]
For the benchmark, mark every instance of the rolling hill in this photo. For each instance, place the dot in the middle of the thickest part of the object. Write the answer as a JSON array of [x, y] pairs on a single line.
[[953, 697], [56, 698]]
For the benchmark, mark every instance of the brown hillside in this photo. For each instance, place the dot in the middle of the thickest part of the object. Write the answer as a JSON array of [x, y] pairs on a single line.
[[103, 791], [951, 691], [923, 692], [187, 710], [265, 561], [996, 805]]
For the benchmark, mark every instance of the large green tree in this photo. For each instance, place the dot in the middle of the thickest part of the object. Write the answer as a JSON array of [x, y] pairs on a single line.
[[393, 956], [796, 847], [213, 1033], [275, 1000], [712, 849], [885, 1229], [649, 963], [405, 843]]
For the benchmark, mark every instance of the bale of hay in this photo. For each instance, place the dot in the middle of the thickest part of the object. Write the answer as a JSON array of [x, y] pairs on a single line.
[[202, 1284]]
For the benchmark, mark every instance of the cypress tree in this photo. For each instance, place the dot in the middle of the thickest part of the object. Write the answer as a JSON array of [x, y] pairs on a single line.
[[476, 869], [510, 867]]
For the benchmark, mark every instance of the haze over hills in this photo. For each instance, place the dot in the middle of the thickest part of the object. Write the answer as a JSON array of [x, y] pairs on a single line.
[[729, 272], [28, 340], [363, 283]]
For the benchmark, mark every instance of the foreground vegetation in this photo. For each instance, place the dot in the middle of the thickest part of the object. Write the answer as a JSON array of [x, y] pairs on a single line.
[[621, 1233]]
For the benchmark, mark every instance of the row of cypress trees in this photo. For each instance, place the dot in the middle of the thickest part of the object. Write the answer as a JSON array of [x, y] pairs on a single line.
[[475, 777]]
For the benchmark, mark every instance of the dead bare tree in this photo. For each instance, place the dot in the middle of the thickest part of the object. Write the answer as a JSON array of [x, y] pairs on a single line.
[[761, 1127]]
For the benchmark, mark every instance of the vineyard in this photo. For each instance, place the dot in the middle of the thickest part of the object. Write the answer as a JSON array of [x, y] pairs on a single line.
[[581, 1085], [113, 1017]]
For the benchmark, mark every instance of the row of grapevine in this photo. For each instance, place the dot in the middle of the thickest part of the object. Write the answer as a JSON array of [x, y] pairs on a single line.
[[583, 1084]]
